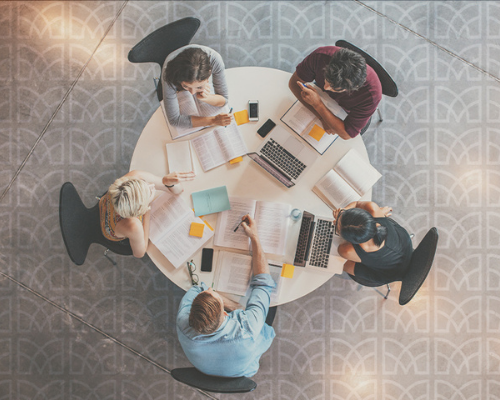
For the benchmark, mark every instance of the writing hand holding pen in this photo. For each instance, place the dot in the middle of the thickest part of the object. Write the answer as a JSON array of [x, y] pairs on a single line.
[[230, 111]]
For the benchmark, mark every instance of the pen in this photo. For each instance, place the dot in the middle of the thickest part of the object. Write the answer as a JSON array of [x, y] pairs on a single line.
[[237, 226], [230, 111]]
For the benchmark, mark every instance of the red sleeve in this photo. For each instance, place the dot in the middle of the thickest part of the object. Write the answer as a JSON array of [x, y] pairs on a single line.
[[306, 70]]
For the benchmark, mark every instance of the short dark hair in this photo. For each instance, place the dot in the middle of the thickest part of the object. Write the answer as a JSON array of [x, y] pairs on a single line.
[[346, 70], [205, 314], [191, 65], [358, 226]]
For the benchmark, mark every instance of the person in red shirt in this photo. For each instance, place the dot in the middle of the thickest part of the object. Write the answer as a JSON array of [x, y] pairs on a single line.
[[345, 77]]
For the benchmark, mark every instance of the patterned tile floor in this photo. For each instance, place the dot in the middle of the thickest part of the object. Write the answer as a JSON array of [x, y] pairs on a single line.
[[72, 108]]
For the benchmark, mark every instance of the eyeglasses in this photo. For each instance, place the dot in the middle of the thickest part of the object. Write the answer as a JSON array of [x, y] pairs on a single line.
[[336, 223], [191, 268]]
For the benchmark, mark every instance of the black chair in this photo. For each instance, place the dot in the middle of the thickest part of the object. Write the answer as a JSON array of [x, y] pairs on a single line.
[[420, 265], [192, 377], [80, 227], [418, 269], [159, 44], [389, 87]]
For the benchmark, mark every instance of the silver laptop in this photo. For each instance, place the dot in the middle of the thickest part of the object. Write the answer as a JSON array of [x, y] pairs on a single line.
[[317, 244], [284, 156]]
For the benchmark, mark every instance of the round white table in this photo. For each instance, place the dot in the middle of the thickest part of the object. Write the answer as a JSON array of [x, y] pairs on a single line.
[[246, 179]]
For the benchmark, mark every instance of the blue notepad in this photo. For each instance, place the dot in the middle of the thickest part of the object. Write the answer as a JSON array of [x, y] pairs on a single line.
[[210, 201]]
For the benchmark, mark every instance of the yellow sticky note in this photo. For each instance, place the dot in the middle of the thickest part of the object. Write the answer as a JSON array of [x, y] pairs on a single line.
[[317, 132], [196, 229], [287, 271], [236, 160], [241, 117]]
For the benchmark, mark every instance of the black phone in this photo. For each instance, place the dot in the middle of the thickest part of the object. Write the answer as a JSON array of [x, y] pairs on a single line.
[[207, 256], [266, 128]]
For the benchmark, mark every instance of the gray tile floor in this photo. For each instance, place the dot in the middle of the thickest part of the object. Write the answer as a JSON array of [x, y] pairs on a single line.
[[72, 108]]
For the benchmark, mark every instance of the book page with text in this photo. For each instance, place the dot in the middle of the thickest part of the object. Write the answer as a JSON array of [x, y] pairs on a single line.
[[272, 225], [166, 211], [208, 151], [357, 172], [298, 118], [336, 190], [228, 220], [231, 141], [234, 273]]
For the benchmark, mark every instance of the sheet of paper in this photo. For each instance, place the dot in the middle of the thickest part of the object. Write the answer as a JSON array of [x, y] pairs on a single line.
[[338, 192], [357, 172], [275, 272], [231, 141], [177, 246], [241, 117], [208, 151], [210, 201], [166, 211], [272, 224], [234, 273], [179, 157], [228, 220], [298, 117]]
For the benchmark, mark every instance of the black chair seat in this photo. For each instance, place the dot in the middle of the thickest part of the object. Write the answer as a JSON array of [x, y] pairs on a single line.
[[192, 377], [80, 227]]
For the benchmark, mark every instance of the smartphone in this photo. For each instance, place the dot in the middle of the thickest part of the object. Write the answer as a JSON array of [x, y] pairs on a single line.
[[253, 106], [266, 128], [207, 256]]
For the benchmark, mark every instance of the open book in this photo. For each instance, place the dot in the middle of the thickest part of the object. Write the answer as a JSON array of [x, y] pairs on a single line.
[[190, 105], [303, 122], [169, 226], [272, 224], [234, 272], [350, 179], [218, 146]]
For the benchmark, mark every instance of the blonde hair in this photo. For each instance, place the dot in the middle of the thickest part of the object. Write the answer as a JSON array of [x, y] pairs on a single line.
[[130, 196]]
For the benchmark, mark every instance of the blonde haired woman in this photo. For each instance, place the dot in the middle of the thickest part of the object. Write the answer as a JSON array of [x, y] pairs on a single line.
[[125, 208]]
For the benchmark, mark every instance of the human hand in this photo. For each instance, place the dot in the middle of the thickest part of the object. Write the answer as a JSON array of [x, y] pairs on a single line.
[[177, 177], [204, 94], [309, 95], [336, 213], [249, 226], [223, 119], [387, 211]]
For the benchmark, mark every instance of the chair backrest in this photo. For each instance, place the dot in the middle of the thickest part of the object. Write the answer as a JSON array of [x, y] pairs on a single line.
[[73, 220], [80, 227], [420, 265], [159, 44], [192, 377], [389, 87]]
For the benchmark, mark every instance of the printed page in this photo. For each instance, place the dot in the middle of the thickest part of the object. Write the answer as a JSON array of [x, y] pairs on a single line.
[[272, 224], [298, 118], [177, 245], [235, 272], [177, 132], [179, 157], [231, 141], [324, 143], [336, 190], [357, 172], [166, 211], [208, 151], [275, 270], [228, 220]]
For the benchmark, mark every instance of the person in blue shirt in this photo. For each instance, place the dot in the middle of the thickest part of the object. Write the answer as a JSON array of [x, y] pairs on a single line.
[[217, 336]]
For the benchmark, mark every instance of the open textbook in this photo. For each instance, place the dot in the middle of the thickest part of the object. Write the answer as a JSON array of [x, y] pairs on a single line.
[[272, 224], [350, 179], [234, 272], [218, 146], [169, 226], [190, 105], [303, 122]]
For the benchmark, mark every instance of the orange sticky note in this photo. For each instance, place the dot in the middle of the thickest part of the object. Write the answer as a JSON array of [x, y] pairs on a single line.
[[196, 229], [236, 160], [241, 117], [317, 132], [287, 271]]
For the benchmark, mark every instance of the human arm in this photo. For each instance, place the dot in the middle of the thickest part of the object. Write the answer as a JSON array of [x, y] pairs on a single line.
[[160, 182], [137, 232], [221, 92], [259, 261], [230, 305], [310, 99]]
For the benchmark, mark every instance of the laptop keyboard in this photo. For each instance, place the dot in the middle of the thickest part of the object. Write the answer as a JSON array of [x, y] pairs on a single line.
[[320, 251], [300, 253], [288, 163]]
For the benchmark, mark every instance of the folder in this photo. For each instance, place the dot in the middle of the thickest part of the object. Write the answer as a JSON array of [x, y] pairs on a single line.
[[210, 201]]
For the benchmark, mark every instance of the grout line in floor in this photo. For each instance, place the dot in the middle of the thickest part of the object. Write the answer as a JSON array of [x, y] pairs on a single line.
[[61, 103], [431, 42]]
